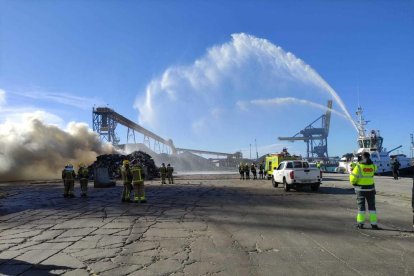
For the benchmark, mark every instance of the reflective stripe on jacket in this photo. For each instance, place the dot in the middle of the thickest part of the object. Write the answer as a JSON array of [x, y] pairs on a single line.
[[363, 175], [136, 174]]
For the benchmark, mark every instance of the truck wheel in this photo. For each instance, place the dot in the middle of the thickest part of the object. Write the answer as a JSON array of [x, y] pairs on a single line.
[[285, 185], [315, 187], [274, 183]]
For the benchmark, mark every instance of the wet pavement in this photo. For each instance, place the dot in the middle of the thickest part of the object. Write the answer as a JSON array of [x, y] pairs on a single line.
[[204, 225]]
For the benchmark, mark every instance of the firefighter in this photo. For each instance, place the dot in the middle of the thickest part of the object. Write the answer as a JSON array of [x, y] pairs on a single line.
[[127, 180], [163, 173], [68, 176], [83, 174], [261, 170], [170, 171], [138, 182], [241, 171], [362, 178], [247, 171], [253, 170]]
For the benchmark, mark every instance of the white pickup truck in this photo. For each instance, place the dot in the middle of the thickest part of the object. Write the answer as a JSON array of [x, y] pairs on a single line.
[[296, 174]]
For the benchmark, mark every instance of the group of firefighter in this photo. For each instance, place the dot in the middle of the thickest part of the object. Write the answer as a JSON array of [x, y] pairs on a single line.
[[245, 169], [132, 177]]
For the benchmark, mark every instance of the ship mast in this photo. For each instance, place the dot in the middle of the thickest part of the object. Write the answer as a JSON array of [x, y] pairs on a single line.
[[361, 123]]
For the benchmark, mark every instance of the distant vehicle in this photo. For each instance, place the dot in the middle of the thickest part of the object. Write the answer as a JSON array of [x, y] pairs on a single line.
[[273, 161], [296, 174]]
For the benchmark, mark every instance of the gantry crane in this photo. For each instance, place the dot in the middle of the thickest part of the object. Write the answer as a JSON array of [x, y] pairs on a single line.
[[315, 137]]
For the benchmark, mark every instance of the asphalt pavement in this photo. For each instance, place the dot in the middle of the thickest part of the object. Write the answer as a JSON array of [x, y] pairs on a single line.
[[205, 225]]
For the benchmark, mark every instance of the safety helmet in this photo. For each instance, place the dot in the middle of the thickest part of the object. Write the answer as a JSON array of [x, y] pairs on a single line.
[[82, 165], [125, 162], [69, 165]]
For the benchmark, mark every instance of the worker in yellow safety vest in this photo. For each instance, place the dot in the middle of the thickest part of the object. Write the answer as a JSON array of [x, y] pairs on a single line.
[[362, 178], [138, 182]]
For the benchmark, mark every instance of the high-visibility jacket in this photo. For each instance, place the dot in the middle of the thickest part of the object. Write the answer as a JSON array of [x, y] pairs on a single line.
[[136, 174], [363, 176]]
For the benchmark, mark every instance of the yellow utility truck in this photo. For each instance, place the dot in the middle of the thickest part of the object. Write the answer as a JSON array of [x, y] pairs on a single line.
[[273, 161]]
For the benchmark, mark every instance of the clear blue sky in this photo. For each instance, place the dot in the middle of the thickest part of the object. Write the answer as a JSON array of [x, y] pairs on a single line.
[[64, 56]]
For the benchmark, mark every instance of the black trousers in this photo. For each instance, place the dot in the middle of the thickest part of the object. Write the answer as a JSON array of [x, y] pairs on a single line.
[[369, 197]]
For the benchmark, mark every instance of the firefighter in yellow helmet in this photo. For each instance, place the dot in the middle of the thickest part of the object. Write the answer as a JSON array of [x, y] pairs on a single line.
[[362, 178], [83, 175], [68, 176], [127, 180], [138, 182]]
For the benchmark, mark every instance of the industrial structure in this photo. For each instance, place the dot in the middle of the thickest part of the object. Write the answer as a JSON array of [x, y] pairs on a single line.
[[105, 121], [315, 137]]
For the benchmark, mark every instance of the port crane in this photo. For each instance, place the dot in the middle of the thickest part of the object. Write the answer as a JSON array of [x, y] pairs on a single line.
[[315, 136]]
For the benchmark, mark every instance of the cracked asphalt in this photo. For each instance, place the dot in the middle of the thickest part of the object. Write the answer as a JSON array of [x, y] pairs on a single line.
[[204, 225]]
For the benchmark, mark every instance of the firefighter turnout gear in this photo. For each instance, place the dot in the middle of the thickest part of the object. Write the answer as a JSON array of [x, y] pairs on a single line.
[[247, 171], [163, 173], [253, 170], [261, 170], [83, 175], [127, 180], [68, 176], [138, 183], [241, 171], [362, 178], [170, 171]]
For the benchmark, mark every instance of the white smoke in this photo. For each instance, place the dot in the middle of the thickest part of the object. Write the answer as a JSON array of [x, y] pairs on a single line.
[[31, 149], [210, 97]]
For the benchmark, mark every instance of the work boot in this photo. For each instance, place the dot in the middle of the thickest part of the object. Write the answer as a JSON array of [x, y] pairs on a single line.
[[375, 227], [360, 226], [65, 195], [128, 200], [72, 196]]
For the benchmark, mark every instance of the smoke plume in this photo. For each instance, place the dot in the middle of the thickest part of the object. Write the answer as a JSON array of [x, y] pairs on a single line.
[[33, 150]]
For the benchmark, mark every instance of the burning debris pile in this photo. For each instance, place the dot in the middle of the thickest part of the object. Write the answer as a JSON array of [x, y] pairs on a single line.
[[114, 161]]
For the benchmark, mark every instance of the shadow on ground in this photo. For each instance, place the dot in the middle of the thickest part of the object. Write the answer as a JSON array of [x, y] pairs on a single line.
[[16, 267]]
